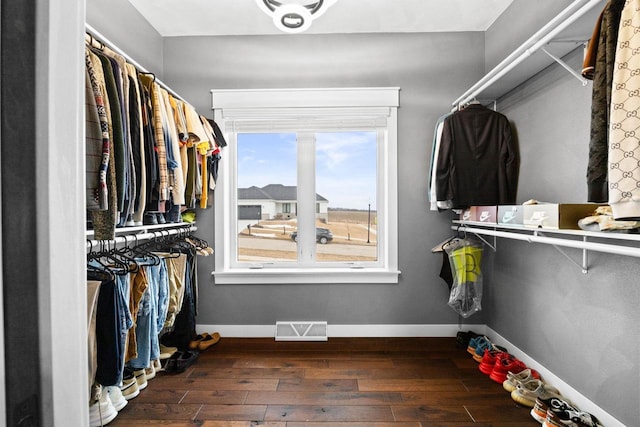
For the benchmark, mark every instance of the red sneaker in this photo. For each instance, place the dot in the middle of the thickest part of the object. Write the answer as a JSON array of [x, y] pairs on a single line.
[[489, 360], [504, 366]]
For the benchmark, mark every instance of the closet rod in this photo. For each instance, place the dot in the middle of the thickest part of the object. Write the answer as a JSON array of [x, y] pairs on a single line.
[[564, 19], [142, 237], [102, 39]]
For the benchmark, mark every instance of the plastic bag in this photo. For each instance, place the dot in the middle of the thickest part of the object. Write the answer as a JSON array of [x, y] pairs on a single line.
[[465, 257]]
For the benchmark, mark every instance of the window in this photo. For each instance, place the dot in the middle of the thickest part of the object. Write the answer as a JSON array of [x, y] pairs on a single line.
[[307, 189]]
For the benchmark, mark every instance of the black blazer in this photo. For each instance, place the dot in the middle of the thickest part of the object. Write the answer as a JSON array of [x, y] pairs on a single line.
[[478, 161]]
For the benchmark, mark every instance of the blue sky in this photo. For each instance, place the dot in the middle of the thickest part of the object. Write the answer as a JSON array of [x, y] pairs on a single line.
[[345, 165]]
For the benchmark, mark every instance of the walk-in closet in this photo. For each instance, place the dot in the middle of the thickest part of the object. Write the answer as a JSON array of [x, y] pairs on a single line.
[[166, 165]]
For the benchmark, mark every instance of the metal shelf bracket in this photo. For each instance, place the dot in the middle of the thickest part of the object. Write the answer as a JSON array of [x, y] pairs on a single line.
[[564, 65], [584, 267]]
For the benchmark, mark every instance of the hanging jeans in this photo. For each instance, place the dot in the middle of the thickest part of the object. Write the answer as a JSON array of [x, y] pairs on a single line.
[[152, 304], [160, 272], [125, 321], [143, 332]]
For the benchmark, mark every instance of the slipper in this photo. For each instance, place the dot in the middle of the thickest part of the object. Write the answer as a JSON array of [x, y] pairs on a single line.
[[193, 345], [208, 341]]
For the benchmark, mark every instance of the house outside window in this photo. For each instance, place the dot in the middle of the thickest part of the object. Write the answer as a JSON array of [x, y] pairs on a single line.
[[321, 166]]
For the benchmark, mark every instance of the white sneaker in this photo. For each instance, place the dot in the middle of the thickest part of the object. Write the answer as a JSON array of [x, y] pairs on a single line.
[[101, 410], [116, 397]]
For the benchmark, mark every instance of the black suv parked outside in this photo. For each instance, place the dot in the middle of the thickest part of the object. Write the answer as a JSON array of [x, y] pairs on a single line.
[[323, 236]]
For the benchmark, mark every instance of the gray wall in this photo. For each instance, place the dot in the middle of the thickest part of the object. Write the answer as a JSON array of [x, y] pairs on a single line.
[[530, 16], [429, 83], [583, 327], [120, 22]]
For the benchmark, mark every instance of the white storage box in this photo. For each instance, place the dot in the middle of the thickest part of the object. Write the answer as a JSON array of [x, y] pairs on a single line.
[[511, 214]]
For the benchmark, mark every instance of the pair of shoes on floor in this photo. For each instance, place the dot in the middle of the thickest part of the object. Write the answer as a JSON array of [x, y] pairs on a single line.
[[180, 361], [152, 369], [463, 338], [141, 378], [133, 382], [504, 365], [555, 411], [477, 347], [101, 409], [203, 341], [479, 343], [513, 379], [129, 387], [527, 393], [115, 395], [498, 364]]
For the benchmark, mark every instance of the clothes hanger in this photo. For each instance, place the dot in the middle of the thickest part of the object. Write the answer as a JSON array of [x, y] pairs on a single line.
[[125, 255], [103, 260], [148, 257]]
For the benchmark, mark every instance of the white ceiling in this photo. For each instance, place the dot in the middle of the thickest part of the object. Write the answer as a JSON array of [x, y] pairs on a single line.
[[173, 18]]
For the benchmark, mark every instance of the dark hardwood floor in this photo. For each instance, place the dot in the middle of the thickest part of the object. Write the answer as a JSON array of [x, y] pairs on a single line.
[[354, 382]]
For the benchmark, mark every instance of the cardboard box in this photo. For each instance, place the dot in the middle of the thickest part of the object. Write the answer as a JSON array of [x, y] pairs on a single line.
[[557, 216], [511, 214], [487, 214]]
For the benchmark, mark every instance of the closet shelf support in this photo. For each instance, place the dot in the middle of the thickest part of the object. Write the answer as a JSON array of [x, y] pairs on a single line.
[[583, 267], [564, 65], [494, 246]]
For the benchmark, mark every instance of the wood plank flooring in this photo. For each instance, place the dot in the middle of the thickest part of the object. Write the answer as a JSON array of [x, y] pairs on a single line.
[[345, 382]]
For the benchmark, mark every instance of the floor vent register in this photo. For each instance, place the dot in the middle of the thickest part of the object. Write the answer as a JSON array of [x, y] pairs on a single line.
[[301, 331]]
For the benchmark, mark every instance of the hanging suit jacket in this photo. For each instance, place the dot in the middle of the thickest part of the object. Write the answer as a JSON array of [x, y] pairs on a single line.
[[478, 162]]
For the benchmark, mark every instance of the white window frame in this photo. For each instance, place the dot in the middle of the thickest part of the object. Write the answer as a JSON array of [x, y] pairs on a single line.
[[285, 110]]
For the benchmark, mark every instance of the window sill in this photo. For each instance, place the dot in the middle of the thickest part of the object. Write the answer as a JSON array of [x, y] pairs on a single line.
[[251, 276]]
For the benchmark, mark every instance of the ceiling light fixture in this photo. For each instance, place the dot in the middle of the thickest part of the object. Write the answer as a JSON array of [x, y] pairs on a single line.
[[294, 17]]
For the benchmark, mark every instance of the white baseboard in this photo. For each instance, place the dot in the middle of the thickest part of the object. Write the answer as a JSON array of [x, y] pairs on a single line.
[[549, 377], [346, 331]]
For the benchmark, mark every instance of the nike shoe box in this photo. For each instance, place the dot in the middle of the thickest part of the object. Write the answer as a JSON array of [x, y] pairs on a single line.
[[487, 214], [557, 215], [511, 215]]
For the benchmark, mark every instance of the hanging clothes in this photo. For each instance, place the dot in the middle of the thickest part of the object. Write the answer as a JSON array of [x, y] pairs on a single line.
[[477, 161], [156, 119], [589, 62], [137, 144], [624, 134], [435, 151], [103, 221], [95, 182], [597, 168], [148, 153]]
